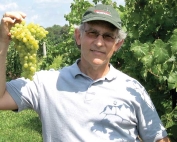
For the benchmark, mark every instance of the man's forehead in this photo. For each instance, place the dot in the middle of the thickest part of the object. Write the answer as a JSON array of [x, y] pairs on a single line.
[[102, 24]]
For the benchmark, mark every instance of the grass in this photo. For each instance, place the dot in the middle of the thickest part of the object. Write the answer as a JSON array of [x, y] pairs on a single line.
[[20, 127]]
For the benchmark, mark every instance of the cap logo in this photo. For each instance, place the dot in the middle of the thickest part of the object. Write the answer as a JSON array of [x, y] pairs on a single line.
[[103, 12]]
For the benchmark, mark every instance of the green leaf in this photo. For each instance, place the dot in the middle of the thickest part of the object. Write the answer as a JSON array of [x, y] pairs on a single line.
[[172, 80], [139, 49], [173, 43], [147, 60], [144, 72], [171, 86], [172, 77], [172, 59], [157, 70], [160, 52]]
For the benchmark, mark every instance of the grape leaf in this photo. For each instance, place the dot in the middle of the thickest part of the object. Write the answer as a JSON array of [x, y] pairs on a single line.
[[172, 77], [139, 49], [147, 60], [173, 43], [160, 52]]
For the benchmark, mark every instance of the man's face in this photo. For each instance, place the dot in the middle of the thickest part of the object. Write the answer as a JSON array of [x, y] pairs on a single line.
[[98, 43]]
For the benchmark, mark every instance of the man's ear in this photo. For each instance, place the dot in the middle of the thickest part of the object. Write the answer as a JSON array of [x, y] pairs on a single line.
[[118, 45], [77, 36]]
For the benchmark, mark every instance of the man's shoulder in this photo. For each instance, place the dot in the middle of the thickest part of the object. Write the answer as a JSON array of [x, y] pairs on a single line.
[[126, 79], [121, 75]]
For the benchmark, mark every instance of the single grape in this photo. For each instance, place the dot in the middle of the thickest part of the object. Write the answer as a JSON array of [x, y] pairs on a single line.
[[25, 65]]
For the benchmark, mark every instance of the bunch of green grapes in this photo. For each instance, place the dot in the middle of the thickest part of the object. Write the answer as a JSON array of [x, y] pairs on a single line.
[[26, 39]]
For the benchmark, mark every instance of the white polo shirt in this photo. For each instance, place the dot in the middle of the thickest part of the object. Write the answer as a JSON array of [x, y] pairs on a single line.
[[74, 108]]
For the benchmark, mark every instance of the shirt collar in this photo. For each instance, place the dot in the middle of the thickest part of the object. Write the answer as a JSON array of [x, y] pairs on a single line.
[[109, 76]]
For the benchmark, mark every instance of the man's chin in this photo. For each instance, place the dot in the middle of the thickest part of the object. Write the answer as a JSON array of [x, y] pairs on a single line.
[[98, 62]]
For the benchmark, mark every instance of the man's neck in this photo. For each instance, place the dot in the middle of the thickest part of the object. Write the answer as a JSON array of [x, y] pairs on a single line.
[[94, 72]]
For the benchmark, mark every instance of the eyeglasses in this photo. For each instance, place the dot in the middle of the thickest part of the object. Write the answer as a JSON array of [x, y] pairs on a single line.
[[93, 34]]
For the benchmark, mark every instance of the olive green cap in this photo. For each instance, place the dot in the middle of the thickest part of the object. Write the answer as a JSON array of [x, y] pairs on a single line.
[[104, 13]]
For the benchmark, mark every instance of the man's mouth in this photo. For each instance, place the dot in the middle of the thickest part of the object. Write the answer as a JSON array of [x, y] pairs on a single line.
[[97, 52]]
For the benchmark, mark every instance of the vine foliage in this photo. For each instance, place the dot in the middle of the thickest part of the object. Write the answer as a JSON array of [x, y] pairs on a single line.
[[149, 53]]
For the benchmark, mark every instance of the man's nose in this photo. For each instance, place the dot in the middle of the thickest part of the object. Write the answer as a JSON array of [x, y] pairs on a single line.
[[99, 40]]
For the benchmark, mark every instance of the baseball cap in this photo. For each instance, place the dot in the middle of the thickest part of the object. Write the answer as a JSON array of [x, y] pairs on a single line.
[[104, 13]]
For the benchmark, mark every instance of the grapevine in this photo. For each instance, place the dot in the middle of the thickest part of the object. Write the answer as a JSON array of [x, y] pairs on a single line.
[[26, 39]]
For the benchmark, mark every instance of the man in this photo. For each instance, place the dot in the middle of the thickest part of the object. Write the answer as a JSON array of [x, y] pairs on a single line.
[[89, 101]]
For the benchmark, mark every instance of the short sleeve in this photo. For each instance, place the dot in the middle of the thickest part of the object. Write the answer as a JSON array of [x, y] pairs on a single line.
[[24, 92], [150, 126]]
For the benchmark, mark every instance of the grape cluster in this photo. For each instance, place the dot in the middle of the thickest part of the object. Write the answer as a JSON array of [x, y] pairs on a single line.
[[26, 39]]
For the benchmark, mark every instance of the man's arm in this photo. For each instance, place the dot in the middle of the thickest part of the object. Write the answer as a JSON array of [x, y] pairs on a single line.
[[166, 139], [6, 101]]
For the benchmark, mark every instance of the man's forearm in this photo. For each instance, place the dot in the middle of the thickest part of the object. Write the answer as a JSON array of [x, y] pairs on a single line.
[[3, 54], [166, 139]]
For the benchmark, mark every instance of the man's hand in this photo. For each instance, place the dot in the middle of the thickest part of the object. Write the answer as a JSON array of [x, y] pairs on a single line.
[[166, 139], [7, 21]]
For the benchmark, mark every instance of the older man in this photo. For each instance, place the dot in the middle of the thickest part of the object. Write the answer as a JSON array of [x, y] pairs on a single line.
[[89, 101]]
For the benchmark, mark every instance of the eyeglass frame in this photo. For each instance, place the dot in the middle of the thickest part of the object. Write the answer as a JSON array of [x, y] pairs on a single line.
[[96, 34]]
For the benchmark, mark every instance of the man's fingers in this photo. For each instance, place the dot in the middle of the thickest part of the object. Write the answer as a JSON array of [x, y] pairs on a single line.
[[15, 15], [8, 19], [23, 15]]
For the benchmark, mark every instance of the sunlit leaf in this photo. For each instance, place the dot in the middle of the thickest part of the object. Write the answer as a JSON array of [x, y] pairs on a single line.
[[173, 43], [147, 60], [139, 49], [160, 52], [172, 77]]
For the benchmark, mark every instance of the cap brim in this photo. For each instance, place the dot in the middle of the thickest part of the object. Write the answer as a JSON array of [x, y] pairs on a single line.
[[118, 25]]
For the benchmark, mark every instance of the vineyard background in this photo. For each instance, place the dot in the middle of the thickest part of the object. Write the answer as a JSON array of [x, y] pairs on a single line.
[[149, 53]]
